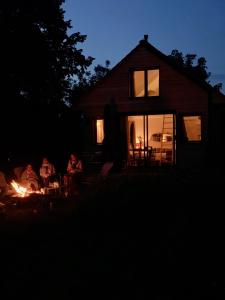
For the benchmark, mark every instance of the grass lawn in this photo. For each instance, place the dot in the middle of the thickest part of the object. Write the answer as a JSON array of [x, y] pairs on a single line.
[[136, 235]]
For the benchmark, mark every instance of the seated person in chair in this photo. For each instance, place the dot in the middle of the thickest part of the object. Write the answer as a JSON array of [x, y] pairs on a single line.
[[29, 178], [3, 184], [47, 172], [73, 177]]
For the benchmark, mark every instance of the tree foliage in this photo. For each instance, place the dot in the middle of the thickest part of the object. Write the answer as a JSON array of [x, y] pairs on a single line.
[[39, 54], [39, 60], [99, 73], [89, 80], [188, 62]]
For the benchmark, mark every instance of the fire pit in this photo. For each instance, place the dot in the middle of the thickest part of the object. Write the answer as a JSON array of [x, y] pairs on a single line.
[[21, 191]]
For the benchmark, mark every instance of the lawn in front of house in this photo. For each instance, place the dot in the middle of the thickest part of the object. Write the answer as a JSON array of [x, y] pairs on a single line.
[[133, 234]]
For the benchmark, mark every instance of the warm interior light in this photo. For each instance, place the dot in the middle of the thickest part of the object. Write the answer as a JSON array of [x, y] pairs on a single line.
[[139, 85], [153, 82], [152, 133], [100, 131], [192, 125]]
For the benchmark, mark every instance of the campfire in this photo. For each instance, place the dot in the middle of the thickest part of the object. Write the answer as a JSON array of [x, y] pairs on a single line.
[[21, 191]]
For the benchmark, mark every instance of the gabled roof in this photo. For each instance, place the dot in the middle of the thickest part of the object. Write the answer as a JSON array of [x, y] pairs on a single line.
[[144, 43]]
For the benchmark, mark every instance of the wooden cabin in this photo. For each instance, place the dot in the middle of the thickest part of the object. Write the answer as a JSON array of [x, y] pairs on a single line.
[[149, 112]]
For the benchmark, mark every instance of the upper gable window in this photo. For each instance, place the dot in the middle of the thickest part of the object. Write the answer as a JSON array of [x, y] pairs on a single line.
[[146, 83], [153, 82]]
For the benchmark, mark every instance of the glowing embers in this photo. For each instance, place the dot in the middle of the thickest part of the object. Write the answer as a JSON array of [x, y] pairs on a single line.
[[21, 191]]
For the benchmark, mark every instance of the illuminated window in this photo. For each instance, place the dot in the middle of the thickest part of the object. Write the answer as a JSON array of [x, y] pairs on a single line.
[[146, 83], [100, 131], [139, 83], [153, 83], [192, 127]]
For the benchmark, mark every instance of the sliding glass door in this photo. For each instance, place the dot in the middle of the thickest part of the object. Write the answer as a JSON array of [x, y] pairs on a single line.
[[151, 139]]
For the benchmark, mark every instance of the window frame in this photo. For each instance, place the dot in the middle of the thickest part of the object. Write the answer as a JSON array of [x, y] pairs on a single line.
[[96, 131], [145, 70], [185, 139]]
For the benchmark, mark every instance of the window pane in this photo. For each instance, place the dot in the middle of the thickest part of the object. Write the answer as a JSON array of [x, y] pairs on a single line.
[[100, 131], [192, 126], [153, 82], [139, 86]]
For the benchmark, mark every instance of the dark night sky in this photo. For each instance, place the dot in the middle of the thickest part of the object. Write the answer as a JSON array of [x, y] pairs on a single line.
[[114, 28]]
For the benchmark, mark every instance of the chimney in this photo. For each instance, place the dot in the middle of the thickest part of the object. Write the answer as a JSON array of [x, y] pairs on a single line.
[[144, 41], [146, 37]]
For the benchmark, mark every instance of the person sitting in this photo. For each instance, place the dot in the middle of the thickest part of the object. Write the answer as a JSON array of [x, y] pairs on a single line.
[[3, 184], [29, 178], [47, 172], [73, 177]]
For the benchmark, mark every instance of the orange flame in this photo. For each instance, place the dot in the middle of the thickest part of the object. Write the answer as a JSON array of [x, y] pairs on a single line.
[[21, 191]]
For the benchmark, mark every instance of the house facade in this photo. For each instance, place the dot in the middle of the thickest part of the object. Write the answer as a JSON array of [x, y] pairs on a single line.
[[147, 111]]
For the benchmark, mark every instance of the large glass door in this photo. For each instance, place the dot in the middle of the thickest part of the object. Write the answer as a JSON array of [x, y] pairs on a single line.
[[151, 139]]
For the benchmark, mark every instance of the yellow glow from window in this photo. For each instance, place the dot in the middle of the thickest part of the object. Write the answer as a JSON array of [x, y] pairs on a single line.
[[139, 86], [143, 88], [100, 131], [152, 137], [192, 125], [153, 82]]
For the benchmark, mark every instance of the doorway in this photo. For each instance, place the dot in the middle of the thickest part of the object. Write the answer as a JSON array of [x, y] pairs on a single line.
[[151, 139]]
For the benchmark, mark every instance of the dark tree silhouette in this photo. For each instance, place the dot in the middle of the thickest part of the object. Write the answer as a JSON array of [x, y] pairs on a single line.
[[89, 80], [99, 73], [200, 69], [39, 54], [38, 62], [186, 62], [189, 60], [218, 86], [177, 57]]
